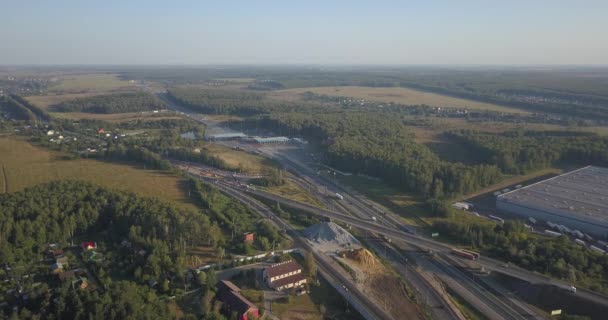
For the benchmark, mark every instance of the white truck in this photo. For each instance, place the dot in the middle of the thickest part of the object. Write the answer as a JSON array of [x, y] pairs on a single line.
[[339, 196]]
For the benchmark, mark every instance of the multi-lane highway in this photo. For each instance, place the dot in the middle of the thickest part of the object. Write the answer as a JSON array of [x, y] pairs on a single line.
[[330, 271], [369, 217]]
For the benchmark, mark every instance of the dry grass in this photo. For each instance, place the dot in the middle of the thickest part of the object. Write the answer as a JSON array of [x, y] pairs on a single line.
[[395, 95], [381, 286], [93, 82], [300, 308], [49, 100], [406, 206], [27, 165], [292, 191], [250, 163]]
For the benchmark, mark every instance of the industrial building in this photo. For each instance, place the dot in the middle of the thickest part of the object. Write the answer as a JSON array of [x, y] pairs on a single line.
[[271, 140], [226, 136], [577, 200]]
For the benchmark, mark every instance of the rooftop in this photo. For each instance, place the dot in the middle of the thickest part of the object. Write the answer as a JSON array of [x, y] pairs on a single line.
[[282, 268], [227, 135], [287, 280], [232, 299], [270, 139], [582, 192]]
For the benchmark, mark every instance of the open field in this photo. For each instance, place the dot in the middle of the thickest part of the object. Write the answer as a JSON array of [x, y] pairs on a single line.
[[407, 206], [292, 191], [111, 117], [93, 82], [410, 208], [47, 101], [249, 163], [27, 165], [431, 131], [307, 307], [404, 96]]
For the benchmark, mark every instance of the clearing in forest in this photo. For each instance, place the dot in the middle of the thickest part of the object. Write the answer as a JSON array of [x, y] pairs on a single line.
[[405, 96], [27, 165]]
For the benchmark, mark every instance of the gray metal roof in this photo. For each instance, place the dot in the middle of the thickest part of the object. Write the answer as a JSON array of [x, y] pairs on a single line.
[[582, 192], [227, 135]]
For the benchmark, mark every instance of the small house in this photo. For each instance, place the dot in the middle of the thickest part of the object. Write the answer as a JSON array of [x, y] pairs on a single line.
[[248, 237]]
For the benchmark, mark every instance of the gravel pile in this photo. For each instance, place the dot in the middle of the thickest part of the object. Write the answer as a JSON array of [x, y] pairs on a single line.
[[328, 236]]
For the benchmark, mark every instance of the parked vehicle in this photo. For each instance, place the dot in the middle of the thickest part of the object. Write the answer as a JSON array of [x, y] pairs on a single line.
[[339, 196]]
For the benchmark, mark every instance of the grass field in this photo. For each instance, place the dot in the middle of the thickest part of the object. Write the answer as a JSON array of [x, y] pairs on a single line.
[[27, 165], [249, 163], [292, 191], [93, 82], [47, 101], [396, 95], [407, 206]]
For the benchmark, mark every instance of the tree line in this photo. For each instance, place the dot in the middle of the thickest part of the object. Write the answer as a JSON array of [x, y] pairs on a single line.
[[218, 101], [559, 257], [21, 109], [113, 103], [379, 145], [521, 151]]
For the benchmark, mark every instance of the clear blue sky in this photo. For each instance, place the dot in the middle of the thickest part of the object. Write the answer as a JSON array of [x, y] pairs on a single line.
[[303, 32]]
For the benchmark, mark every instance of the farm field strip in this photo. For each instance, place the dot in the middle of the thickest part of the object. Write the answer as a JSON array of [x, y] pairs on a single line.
[[404, 96]]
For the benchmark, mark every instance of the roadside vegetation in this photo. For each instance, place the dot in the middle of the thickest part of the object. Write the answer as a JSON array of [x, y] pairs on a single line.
[[115, 103]]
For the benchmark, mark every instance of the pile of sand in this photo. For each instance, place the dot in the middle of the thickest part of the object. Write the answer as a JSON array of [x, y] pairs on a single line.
[[362, 256], [330, 233]]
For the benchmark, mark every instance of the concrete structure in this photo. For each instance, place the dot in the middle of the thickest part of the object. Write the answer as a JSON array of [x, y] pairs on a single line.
[[233, 301], [577, 200], [284, 275], [225, 136], [271, 140]]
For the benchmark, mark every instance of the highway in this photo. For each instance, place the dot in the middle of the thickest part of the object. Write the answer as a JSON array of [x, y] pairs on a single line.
[[467, 288], [425, 243], [388, 225], [328, 269], [490, 304]]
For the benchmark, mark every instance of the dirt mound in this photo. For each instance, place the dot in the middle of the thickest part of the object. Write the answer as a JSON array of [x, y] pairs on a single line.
[[362, 256], [331, 234]]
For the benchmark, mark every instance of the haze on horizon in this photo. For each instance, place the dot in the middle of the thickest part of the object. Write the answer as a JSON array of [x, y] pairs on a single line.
[[194, 32]]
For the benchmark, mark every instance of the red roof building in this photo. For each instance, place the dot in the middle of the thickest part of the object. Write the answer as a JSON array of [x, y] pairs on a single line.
[[248, 236], [233, 301], [89, 245], [284, 275]]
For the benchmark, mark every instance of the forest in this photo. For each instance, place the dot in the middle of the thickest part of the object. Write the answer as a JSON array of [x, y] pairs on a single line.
[[557, 257], [216, 101], [20, 109], [522, 151], [114, 103], [379, 145], [121, 223]]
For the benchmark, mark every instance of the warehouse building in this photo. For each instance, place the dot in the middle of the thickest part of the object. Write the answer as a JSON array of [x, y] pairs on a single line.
[[577, 200], [225, 136], [271, 140]]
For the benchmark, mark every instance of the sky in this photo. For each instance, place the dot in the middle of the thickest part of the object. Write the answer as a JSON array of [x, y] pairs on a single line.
[[269, 32]]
